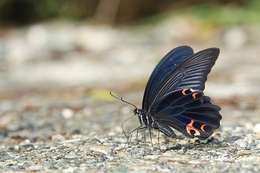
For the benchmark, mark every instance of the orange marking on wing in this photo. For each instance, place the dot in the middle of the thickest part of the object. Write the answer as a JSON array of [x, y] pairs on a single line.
[[202, 127], [189, 128], [184, 92]]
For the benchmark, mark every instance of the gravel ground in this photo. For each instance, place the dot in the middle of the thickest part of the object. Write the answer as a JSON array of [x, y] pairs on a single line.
[[77, 135], [73, 125]]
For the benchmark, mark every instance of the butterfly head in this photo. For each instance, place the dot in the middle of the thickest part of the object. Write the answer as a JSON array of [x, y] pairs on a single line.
[[138, 112]]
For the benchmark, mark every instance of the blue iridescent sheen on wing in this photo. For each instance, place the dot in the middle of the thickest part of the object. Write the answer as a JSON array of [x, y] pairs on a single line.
[[192, 73], [163, 70]]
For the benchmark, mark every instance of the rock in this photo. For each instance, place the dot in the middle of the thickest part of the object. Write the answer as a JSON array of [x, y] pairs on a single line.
[[35, 168], [57, 138], [247, 142], [257, 128], [67, 113], [69, 170], [71, 155], [242, 143], [101, 149]]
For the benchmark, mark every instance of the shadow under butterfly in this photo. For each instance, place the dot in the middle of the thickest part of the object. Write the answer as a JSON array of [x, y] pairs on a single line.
[[174, 99]]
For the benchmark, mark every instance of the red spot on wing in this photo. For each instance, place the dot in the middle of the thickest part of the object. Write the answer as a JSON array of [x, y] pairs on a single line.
[[184, 92], [190, 128], [194, 95]]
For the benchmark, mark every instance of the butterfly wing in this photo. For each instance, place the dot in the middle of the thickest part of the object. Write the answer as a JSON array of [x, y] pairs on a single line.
[[163, 70], [179, 103], [187, 111], [192, 73]]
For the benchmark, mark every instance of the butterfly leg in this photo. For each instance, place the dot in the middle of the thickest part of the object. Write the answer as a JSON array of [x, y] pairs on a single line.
[[144, 136], [126, 135], [137, 131], [158, 139], [150, 135], [137, 134]]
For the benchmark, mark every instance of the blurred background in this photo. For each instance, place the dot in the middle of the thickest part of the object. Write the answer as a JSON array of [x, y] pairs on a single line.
[[99, 43], [60, 58]]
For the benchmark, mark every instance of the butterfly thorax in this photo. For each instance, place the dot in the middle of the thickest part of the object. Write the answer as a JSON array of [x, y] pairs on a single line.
[[144, 118]]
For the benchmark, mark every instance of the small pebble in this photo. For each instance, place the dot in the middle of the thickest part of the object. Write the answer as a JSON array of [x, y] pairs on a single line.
[[67, 113], [71, 155], [35, 168], [57, 138], [257, 128]]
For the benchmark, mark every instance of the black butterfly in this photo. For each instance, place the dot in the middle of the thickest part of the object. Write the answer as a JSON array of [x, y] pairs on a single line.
[[174, 99]]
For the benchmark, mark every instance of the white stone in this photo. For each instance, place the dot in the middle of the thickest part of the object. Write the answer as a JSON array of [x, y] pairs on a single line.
[[67, 113], [257, 128]]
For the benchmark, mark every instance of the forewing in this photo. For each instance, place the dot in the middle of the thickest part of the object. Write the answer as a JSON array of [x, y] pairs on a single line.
[[192, 74], [162, 71], [187, 111]]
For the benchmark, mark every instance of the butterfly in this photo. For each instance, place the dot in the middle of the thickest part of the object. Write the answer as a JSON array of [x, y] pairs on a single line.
[[174, 99]]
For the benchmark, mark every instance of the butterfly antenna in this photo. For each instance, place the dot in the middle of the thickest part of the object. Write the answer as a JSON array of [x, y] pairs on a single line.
[[121, 98]]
